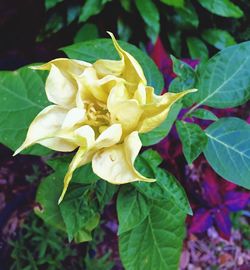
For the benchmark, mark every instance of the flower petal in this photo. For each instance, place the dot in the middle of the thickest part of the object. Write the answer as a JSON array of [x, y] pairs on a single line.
[[44, 127], [157, 108], [115, 164], [73, 117]]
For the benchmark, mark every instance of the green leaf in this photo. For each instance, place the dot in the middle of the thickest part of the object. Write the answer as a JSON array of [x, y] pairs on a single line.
[[159, 133], [157, 242], [197, 48], [220, 39], [204, 114], [132, 208], [186, 80], [152, 157], [174, 3], [73, 13], [51, 3], [164, 188], [126, 4], [103, 49], [91, 8], [175, 42], [223, 8], [105, 192], [47, 196], [88, 31], [228, 150], [193, 140], [78, 209], [123, 30], [186, 17], [151, 17], [22, 97], [225, 78]]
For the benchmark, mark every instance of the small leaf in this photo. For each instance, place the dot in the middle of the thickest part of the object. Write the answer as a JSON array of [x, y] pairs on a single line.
[[105, 192], [93, 50], [223, 8], [193, 140], [228, 150], [152, 157], [123, 30], [151, 17], [126, 4], [90, 8], [132, 208], [51, 3], [88, 31], [22, 97], [186, 80], [159, 133], [174, 3], [175, 42], [220, 39], [204, 114], [197, 48], [224, 81], [156, 243]]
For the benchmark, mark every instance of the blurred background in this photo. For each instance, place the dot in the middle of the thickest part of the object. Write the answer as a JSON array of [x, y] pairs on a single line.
[[31, 31]]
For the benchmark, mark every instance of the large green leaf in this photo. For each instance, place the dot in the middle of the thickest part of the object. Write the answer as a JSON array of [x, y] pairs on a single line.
[[223, 8], [159, 133], [197, 48], [228, 150], [220, 39], [90, 8], [225, 78], [174, 3], [193, 139], [103, 49], [132, 208], [151, 17], [157, 242], [88, 31], [22, 97]]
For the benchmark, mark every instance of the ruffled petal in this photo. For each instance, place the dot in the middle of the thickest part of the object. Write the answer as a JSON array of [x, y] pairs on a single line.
[[73, 117], [115, 164]]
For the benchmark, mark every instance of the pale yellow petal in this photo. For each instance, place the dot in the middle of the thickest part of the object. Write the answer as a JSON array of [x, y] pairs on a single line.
[[45, 126], [157, 109], [140, 94], [115, 164], [73, 117], [60, 88]]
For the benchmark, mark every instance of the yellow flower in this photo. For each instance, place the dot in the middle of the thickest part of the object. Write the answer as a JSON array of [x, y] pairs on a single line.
[[99, 109]]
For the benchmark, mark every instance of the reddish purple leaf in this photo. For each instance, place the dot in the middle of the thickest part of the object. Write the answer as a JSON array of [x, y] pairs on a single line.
[[222, 222], [236, 201], [201, 221]]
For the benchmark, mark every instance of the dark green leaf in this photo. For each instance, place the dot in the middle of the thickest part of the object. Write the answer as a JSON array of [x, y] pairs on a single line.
[[193, 140], [104, 192], [151, 17], [220, 39], [175, 42], [152, 157], [228, 150], [123, 30], [103, 49], [186, 80], [126, 4], [72, 13], [225, 78], [22, 97], [90, 8], [159, 133], [157, 242], [223, 8], [51, 3], [88, 31], [132, 208], [197, 48], [204, 114], [174, 3]]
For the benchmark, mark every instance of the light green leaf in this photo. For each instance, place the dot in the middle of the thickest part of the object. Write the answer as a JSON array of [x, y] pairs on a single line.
[[51, 3], [159, 133], [220, 39], [223, 8], [225, 78], [132, 208], [91, 8], [193, 140], [186, 80], [157, 242], [204, 114], [22, 97], [103, 49], [78, 209], [151, 17], [228, 150], [174, 3], [197, 48], [88, 31]]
